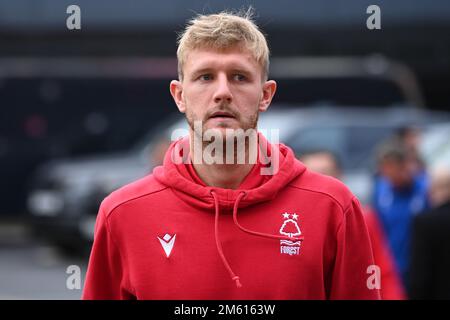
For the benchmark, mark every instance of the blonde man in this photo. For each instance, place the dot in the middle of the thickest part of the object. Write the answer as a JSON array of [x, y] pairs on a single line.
[[256, 229]]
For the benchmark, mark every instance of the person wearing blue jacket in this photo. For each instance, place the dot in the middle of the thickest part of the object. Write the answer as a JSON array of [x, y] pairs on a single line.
[[400, 193]]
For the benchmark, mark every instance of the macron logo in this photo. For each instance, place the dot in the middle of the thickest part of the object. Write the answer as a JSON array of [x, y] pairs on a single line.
[[167, 243]]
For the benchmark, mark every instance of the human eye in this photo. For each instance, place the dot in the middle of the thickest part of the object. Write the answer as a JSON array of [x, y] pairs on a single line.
[[205, 77], [239, 77]]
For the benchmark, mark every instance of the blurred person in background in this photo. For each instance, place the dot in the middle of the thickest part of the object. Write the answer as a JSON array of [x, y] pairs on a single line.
[[326, 162], [322, 161], [430, 253], [410, 137], [400, 192]]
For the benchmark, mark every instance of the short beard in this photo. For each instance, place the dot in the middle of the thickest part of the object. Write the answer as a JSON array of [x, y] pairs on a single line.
[[250, 123]]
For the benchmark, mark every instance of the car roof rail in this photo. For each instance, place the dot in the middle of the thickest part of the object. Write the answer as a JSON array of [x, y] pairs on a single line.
[[371, 67]]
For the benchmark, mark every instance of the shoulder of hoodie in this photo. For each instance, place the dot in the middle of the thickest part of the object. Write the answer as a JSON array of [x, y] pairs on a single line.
[[146, 186], [330, 188]]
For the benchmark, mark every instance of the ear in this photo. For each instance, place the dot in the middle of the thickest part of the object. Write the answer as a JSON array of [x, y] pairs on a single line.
[[176, 90], [269, 88]]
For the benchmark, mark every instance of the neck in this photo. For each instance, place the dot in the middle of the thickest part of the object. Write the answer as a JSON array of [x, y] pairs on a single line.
[[221, 175]]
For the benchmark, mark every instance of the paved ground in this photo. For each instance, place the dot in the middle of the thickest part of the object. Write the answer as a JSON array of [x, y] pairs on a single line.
[[31, 269]]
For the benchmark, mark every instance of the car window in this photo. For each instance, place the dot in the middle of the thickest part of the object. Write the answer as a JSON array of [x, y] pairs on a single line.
[[435, 145], [353, 145]]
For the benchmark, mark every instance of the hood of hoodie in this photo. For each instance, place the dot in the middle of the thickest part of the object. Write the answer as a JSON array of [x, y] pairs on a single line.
[[262, 188], [254, 189]]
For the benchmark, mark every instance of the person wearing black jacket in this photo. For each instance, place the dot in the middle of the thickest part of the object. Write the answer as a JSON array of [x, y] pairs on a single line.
[[430, 256]]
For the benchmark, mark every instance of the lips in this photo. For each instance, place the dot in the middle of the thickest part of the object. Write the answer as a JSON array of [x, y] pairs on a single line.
[[221, 114]]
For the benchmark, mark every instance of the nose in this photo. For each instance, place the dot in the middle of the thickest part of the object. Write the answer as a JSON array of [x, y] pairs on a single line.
[[223, 92]]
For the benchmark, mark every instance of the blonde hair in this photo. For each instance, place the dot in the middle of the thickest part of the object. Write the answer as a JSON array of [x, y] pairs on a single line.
[[222, 31]]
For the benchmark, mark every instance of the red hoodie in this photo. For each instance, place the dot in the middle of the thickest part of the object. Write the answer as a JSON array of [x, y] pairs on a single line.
[[292, 235], [391, 284]]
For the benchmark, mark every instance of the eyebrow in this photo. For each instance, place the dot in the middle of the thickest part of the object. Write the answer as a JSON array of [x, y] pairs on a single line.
[[236, 69], [201, 71]]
